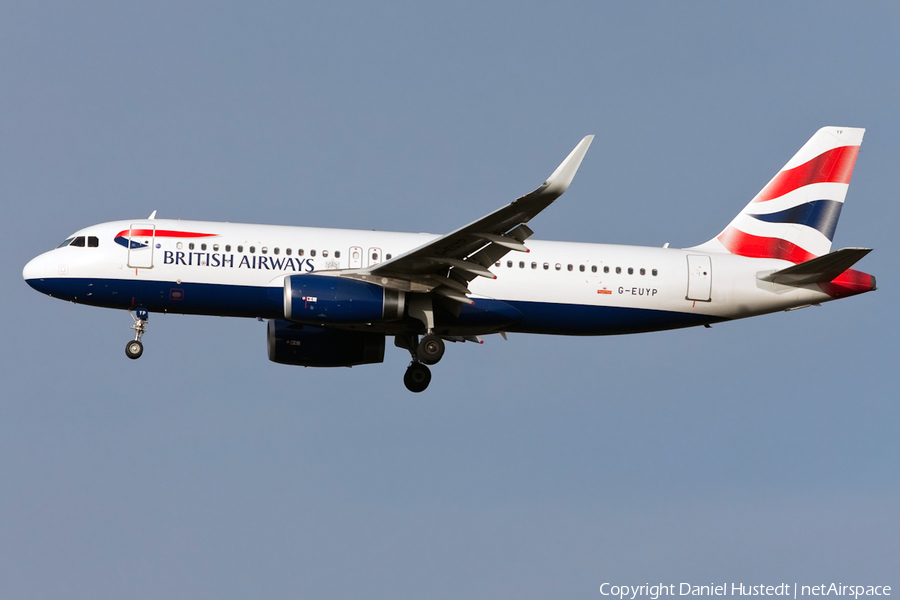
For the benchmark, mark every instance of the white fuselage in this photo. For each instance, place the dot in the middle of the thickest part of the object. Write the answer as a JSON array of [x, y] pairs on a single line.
[[559, 287]]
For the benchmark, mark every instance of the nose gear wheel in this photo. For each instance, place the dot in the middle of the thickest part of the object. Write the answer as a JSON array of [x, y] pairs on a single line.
[[135, 347]]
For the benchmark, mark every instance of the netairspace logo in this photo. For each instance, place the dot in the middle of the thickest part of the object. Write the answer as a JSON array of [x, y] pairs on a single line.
[[654, 592]]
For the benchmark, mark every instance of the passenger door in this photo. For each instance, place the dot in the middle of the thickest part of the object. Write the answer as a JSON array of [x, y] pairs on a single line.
[[356, 257], [699, 278], [141, 243]]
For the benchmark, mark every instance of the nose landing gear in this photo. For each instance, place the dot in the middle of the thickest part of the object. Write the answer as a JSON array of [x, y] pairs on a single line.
[[135, 348]]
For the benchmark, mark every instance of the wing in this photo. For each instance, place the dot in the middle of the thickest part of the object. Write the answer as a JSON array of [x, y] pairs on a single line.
[[446, 265]]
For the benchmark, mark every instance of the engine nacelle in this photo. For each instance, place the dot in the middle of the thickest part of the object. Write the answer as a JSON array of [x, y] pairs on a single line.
[[325, 299], [312, 346]]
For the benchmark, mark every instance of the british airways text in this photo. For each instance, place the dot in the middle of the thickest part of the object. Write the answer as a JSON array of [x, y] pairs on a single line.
[[209, 259]]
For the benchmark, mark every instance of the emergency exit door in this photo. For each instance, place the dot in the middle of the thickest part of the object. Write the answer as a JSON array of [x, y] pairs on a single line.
[[356, 257]]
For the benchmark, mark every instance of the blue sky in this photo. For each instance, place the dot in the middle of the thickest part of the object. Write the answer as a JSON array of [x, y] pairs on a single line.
[[763, 450]]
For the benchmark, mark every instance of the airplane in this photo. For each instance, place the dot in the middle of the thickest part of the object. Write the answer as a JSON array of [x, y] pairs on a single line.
[[332, 296]]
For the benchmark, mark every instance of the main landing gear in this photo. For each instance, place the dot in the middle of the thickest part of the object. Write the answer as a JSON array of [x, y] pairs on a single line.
[[135, 348], [430, 350], [427, 352], [417, 377]]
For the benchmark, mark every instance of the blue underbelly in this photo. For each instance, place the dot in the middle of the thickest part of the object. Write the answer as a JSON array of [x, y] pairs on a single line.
[[485, 316]]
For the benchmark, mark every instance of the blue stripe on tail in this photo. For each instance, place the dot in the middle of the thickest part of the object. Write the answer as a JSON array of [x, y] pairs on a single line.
[[822, 215]]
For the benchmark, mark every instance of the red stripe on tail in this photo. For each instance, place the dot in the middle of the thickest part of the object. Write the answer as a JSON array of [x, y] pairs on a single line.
[[833, 166], [744, 244]]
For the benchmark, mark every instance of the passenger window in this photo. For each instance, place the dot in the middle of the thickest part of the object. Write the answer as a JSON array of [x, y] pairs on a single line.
[[534, 265], [593, 268], [66, 242], [558, 266], [300, 252], [618, 270], [240, 248], [606, 269], [227, 247], [324, 253], [79, 242], [521, 264], [643, 271], [287, 251], [252, 249], [386, 256], [497, 264], [581, 268], [191, 246], [653, 272], [276, 251], [546, 266], [569, 267], [179, 246], [93, 241], [203, 246], [312, 252], [215, 247], [337, 254], [630, 271], [509, 263], [264, 250]]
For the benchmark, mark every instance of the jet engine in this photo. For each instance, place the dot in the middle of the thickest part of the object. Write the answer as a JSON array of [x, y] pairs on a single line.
[[312, 346], [326, 299]]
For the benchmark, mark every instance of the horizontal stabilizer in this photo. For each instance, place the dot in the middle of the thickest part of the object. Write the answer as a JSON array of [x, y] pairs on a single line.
[[818, 270]]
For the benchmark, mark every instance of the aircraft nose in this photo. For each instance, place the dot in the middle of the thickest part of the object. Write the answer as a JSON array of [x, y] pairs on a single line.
[[35, 269]]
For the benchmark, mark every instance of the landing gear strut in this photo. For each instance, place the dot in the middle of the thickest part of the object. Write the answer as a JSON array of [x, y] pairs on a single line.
[[135, 348]]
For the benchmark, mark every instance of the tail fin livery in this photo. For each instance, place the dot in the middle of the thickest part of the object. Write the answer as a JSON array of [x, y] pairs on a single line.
[[794, 217]]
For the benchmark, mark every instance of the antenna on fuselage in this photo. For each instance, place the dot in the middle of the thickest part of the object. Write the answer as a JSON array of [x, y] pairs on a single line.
[[152, 216]]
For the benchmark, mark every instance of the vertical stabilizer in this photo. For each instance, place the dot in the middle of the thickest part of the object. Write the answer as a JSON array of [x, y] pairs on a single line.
[[795, 215]]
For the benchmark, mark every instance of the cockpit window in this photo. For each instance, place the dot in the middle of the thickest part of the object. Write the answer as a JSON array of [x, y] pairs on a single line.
[[66, 243], [93, 242], [79, 241]]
